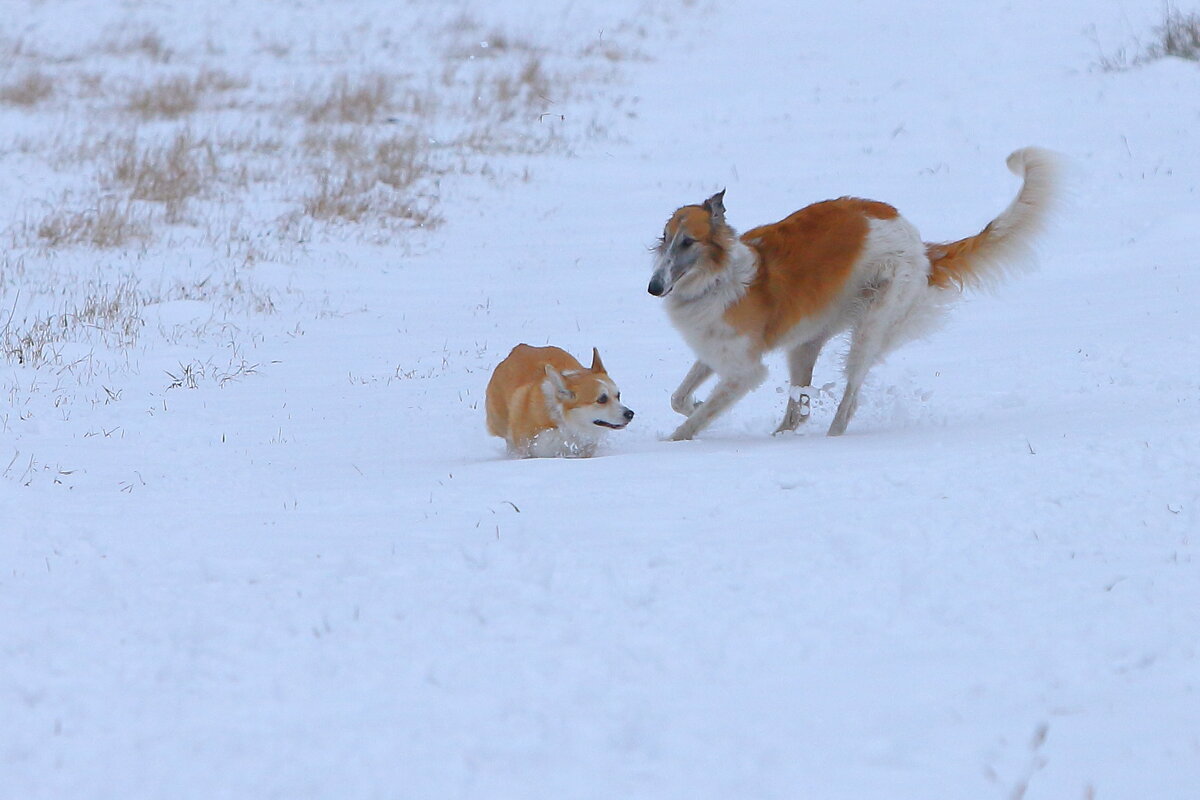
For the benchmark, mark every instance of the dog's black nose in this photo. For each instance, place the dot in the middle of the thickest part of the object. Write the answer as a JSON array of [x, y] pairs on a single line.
[[656, 287], [628, 414]]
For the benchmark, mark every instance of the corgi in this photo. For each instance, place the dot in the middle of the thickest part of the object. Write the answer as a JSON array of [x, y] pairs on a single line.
[[542, 402], [845, 264]]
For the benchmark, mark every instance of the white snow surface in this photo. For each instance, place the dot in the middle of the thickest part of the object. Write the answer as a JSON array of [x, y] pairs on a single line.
[[325, 580]]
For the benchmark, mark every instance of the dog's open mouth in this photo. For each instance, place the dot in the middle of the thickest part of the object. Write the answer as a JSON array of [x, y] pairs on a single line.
[[614, 426]]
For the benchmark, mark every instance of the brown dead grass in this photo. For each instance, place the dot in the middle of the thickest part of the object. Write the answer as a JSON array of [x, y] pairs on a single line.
[[29, 90], [107, 224], [326, 143], [176, 96], [528, 84], [170, 174], [345, 196], [146, 43], [339, 196], [401, 161], [360, 147], [363, 100], [166, 98], [357, 177]]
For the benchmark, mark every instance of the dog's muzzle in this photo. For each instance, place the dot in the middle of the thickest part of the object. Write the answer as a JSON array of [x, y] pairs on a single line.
[[656, 287], [616, 426]]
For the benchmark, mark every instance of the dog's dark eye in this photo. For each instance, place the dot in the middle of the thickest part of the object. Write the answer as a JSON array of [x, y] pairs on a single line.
[[602, 399], [685, 243]]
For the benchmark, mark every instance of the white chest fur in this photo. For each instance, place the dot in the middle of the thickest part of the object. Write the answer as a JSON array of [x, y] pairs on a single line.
[[699, 315]]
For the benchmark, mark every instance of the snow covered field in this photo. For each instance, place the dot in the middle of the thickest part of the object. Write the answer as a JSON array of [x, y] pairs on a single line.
[[258, 260]]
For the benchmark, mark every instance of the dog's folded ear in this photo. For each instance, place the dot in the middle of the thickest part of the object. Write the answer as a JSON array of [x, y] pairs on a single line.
[[597, 364], [558, 384], [715, 206]]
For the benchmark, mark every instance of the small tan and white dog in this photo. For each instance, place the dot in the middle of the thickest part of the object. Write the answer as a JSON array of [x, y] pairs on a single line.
[[542, 402], [846, 264]]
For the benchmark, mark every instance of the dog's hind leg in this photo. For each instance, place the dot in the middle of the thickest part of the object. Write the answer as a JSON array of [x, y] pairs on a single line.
[[727, 392], [879, 329], [864, 352], [683, 401], [801, 360]]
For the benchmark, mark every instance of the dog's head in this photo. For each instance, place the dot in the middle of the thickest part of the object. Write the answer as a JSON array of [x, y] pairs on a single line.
[[694, 247], [588, 398]]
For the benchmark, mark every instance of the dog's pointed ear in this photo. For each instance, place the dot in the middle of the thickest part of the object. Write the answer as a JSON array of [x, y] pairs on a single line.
[[715, 206], [558, 384], [597, 364]]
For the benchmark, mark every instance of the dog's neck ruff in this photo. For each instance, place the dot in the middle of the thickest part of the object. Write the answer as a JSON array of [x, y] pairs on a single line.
[[553, 407], [724, 288]]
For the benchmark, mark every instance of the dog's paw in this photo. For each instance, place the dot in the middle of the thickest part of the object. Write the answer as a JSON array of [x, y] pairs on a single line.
[[799, 408], [682, 434], [685, 405]]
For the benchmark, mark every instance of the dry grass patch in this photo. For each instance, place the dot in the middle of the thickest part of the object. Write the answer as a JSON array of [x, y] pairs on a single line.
[[325, 143], [612, 51], [170, 174], [28, 90], [344, 197], [218, 80], [347, 196], [11, 49], [176, 96], [527, 85], [496, 44], [1177, 36], [256, 144], [401, 161], [147, 43], [166, 98], [276, 48], [361, 100], [90, 84], [110, 223], [333, 137], [397, 161], [358, 178], [109, 314], [487, 139]]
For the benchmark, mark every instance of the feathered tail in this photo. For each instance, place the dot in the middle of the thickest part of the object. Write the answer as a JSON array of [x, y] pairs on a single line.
[[981, 260]]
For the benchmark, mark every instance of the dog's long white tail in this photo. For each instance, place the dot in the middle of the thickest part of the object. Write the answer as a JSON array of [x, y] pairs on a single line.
[[1005, 245]]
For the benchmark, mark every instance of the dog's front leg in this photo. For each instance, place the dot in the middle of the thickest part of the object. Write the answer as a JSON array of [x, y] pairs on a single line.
[[727, 392], [683, 401], [801, 361]]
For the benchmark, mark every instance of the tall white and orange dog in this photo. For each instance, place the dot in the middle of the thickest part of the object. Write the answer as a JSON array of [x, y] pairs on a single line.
[[846, 264], [542, 402]]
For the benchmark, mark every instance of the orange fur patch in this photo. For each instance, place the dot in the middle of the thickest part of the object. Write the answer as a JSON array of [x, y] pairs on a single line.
[[950, 264], [804, 262], [693, 219]]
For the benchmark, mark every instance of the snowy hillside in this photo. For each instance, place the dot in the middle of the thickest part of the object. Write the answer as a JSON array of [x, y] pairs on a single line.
[[258, 261]]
